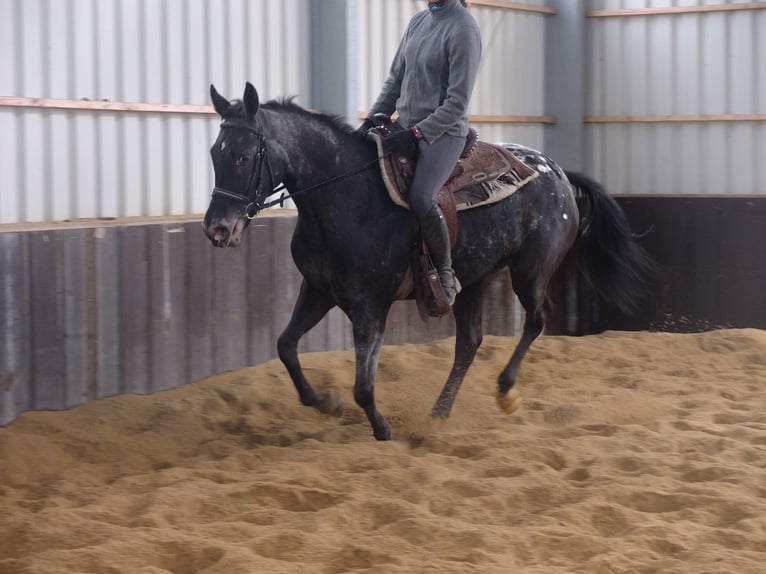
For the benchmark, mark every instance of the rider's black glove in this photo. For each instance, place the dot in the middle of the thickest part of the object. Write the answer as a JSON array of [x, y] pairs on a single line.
[[366, 126], [404, 142]]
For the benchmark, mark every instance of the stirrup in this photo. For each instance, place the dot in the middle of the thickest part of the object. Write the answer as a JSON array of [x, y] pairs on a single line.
[[441, 299]]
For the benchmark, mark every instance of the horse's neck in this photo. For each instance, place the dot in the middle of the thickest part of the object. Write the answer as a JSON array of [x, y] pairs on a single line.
[[314, 151]]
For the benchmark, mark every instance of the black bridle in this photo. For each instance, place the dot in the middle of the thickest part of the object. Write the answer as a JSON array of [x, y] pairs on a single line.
[[252, 200]]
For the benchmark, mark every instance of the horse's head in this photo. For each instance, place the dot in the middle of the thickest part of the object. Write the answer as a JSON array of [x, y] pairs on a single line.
[[244, 171]]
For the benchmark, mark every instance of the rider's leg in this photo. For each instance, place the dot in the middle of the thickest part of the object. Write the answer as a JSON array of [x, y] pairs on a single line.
[[435, 164]]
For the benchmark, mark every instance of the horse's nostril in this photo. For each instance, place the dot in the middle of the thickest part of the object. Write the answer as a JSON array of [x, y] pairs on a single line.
[[220, 231]]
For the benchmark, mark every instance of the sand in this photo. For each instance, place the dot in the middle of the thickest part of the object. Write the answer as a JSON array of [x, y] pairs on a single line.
[[633, 452]]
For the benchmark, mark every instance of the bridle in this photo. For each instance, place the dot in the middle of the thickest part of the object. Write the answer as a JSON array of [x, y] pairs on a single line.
[[251, 200]]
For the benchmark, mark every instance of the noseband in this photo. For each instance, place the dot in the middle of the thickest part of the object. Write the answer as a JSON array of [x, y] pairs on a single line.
[[251, 200]]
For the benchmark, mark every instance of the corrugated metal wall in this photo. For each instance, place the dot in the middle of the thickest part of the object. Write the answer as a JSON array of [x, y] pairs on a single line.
[[511, 80], [92, 311], [679, 64], [59, 164]]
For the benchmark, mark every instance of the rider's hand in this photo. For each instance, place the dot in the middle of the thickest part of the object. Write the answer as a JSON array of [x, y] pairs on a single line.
[[404, 142], [366, 126]]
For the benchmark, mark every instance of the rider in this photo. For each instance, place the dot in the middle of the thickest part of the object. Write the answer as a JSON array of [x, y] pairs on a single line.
[[429, 85]]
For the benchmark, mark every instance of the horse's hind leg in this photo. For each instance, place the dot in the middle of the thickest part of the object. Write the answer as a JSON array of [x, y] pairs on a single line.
[[532, 295], [310, 307], [467, 311]]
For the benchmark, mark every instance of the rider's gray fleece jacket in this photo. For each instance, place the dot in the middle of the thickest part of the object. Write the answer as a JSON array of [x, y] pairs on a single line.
[[433, 72]]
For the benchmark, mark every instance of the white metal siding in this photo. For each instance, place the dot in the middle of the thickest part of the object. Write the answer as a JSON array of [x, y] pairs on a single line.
[[683, 64], [89, 311], [67, 164]]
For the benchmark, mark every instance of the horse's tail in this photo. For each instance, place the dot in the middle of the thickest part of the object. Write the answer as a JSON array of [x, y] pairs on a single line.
[[616, 266]]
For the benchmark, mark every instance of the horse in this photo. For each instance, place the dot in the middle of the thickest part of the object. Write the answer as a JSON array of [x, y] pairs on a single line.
[[353, 245]]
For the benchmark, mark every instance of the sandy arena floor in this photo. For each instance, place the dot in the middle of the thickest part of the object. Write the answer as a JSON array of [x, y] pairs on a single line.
[[633, 452]]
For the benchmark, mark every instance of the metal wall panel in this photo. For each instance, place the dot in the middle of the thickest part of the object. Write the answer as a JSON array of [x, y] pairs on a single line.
[[66, 164], [680, 65], [92, 311], [511, 79]]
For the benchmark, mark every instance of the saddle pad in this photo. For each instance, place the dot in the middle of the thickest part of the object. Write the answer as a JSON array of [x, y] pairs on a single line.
[[489, 174]]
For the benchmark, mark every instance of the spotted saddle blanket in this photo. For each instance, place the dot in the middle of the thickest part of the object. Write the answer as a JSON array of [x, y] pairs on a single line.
[[485, 173]]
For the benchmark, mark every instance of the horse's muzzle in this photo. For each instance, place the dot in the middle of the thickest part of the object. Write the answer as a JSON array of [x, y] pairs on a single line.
[[221, 235]]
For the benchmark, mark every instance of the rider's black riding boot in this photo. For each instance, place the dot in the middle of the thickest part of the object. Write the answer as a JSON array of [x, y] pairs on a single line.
[[436, 235]]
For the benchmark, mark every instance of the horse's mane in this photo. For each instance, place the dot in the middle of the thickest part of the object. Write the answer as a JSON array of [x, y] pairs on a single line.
[[287, 105]]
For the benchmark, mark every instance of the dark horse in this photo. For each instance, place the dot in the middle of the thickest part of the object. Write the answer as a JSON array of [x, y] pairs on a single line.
[[352, 244]]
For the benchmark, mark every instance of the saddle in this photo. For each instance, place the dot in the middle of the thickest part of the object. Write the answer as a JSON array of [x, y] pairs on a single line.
[[485, 173]]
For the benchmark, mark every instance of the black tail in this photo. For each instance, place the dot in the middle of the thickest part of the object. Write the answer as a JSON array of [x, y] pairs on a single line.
[[616, 266]]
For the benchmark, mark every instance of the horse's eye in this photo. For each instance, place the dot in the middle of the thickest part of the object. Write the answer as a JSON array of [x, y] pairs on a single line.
[[242, 160]]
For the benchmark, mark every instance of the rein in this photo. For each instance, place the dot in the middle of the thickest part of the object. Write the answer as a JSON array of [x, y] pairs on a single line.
[[252, 201], [290, 195]]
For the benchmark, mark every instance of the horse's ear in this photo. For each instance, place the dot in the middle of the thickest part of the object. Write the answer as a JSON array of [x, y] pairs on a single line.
[[251, 100], [220, 103]]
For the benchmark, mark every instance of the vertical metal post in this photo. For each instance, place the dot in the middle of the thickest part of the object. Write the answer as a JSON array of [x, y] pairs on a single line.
[[334, 49], [565, 83]]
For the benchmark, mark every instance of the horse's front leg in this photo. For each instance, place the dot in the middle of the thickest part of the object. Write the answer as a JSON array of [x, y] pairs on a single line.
[[368, 339], [310, 308]]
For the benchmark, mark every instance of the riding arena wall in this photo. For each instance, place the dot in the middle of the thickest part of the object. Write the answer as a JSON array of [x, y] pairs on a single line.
[[109, 285]]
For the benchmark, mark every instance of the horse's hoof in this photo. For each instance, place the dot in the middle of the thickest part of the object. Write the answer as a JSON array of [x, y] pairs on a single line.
[[509, 402], [330, 403]]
